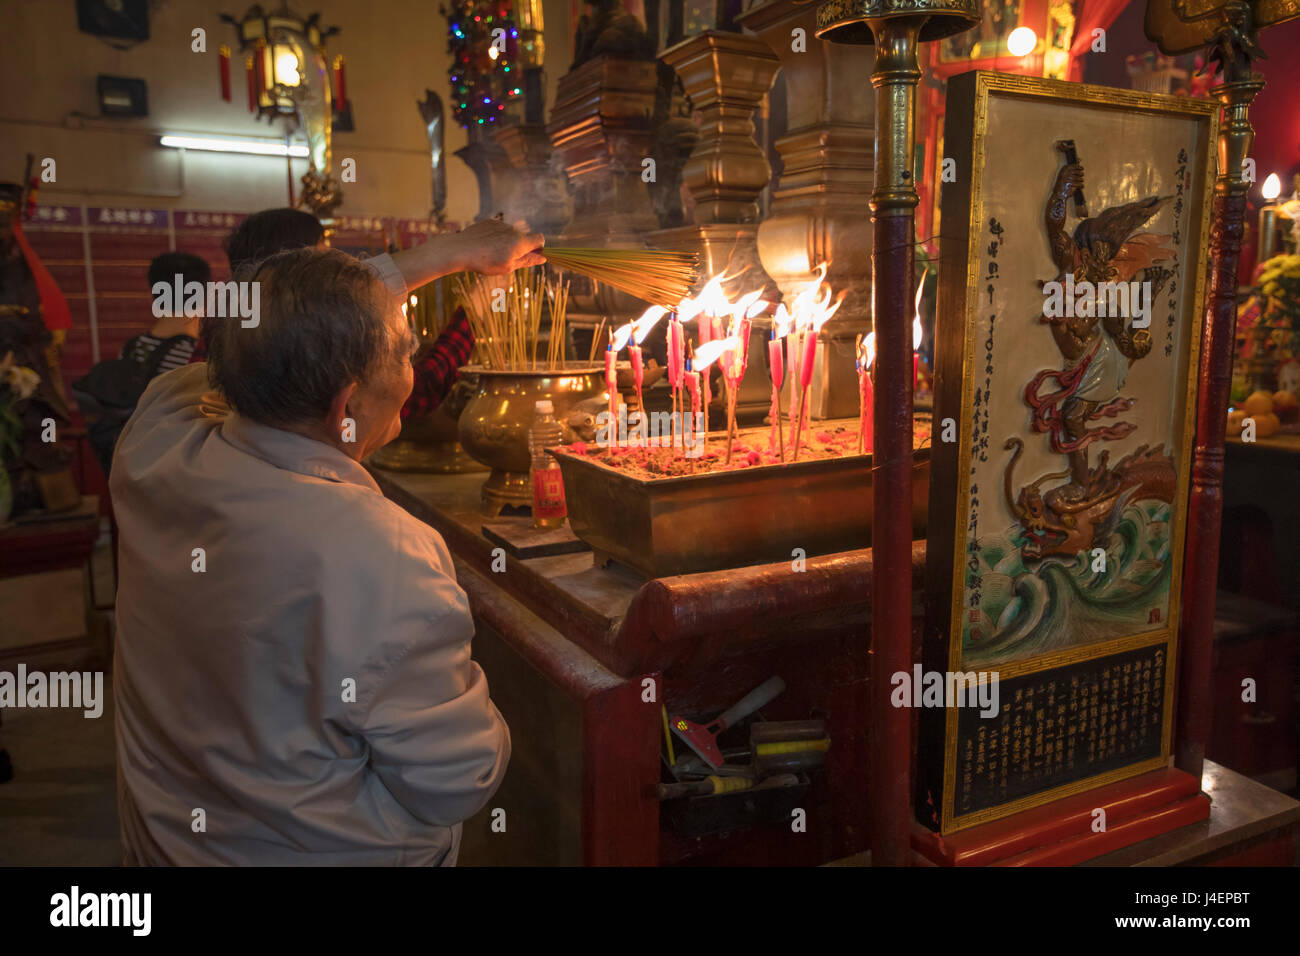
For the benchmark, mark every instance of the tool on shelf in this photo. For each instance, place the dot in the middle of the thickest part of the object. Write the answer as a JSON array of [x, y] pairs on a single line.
[[703, 738]]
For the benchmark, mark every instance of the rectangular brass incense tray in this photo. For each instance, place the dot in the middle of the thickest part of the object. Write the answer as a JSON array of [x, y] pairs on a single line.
[[728, 519]]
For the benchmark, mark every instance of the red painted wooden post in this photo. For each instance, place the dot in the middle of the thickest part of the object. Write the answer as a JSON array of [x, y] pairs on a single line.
[[1195, 704]]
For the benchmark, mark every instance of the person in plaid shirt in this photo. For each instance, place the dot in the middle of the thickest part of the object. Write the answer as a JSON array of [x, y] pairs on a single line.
[[436, 366], [491, 247]]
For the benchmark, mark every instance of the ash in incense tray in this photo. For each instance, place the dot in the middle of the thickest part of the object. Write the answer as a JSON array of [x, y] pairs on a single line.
[[749, 449]]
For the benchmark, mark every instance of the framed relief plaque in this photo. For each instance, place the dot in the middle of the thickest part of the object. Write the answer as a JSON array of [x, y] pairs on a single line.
[[1073, 259]]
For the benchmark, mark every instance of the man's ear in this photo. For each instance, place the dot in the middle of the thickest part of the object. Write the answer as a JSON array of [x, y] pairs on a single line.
[[338, 420]]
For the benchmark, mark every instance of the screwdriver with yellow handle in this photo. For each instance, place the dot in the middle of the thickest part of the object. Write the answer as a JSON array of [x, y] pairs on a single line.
[[711, 786]]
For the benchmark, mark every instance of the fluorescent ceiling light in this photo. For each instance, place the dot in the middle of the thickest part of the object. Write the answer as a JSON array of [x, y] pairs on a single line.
[[256, 147]]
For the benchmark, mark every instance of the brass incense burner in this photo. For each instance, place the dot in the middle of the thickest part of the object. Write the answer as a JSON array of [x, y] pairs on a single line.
[[494, 425], [430, 443]]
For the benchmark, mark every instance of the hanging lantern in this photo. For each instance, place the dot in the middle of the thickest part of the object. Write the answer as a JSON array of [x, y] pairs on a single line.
[[289, 78], [284, 47]]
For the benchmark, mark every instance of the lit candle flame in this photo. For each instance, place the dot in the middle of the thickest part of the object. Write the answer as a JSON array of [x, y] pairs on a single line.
[[782, 322], [811, 307], [1272, 187], [709, 352], [741, 308], [619, 338], [867, 350], [648, 320], [917, 332]]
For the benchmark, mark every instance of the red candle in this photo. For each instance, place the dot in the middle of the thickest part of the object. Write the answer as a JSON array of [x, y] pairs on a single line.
[[867, 409], [774, 359], [809, 358], [638, 371], [676, 352], [743, 327], [866, 393], [611, 382], [638, 376], [776, 439], [693, 386], [792, 363]]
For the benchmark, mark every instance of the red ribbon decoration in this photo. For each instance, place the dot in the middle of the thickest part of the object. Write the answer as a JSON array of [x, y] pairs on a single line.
[[1048, 415], [54, 307], [259, 69], [223, 62], [340, 80]]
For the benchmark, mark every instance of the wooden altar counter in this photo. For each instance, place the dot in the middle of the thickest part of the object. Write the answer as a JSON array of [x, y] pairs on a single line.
[[579, 660]]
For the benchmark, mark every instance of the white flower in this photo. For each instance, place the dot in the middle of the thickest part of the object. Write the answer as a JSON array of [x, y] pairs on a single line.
[[21, 380]]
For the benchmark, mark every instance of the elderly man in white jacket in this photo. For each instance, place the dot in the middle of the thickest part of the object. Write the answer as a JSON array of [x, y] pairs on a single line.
[[293, 678]]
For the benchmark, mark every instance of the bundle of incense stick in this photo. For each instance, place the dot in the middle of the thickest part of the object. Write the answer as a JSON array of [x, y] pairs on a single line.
[[558, 295], [505, 313], [654, 276], [597, 337]]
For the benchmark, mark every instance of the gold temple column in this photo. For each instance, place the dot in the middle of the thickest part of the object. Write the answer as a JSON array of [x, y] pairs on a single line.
[[816, 214], [726, 75], [600, 126]]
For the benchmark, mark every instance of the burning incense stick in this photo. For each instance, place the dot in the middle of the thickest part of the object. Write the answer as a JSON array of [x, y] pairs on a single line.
[[505, 313], [655, 276]]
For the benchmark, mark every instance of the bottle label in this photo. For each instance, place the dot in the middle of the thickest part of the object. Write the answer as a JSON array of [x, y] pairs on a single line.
[[548, 493]]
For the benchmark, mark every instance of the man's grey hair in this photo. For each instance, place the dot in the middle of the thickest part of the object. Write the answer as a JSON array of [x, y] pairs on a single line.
[[322, 327]]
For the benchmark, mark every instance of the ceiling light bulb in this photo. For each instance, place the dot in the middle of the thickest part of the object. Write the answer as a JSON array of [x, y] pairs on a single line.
[[1022, 41]]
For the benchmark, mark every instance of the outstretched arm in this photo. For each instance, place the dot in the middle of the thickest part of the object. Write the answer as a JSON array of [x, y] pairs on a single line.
[[491, 247], [1068, 181]]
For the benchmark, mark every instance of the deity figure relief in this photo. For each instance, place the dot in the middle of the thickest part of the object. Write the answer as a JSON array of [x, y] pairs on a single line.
[[1098, 347]]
